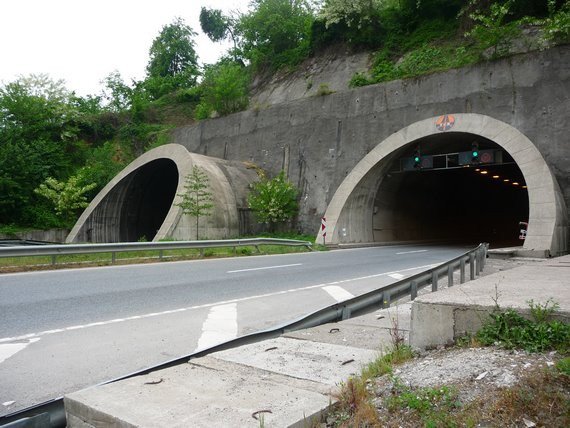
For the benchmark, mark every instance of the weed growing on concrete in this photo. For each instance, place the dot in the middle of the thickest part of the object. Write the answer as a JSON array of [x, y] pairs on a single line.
[[539, 334], [323, 90]]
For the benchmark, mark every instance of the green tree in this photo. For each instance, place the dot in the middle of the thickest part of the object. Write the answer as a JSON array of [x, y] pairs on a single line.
[[218, 27], [276, 33], [224, 90], [40, 122], [173, 62], [67, 197], [274, 201], [117, 94], [353, 13], [197, 198]]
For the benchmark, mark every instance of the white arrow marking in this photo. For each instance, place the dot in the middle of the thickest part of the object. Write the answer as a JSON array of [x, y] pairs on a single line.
[[220, 326], [9, 349]]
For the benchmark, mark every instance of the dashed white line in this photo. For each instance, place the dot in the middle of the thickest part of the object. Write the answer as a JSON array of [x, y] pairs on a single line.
[[412, 252], [264, 268], [208, 305], [397, 276], [338, 293]]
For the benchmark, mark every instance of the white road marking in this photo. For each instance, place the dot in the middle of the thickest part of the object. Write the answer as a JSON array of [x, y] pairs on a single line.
[[338, 293], [397, 276], [209, 305], [7, 350], [220, 326], [412, 252], [8, 403], [264, 268]]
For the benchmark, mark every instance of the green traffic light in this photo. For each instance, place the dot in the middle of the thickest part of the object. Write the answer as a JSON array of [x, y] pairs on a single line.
[[475, 154], [416, 159]]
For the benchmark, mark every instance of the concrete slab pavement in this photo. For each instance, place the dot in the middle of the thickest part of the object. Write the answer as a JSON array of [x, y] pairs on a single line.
[[293, 378]]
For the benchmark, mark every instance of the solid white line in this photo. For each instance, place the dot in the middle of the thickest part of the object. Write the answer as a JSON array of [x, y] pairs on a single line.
[[412, 252], [220, 326], [338, 293], [264, 268], [207, 305]]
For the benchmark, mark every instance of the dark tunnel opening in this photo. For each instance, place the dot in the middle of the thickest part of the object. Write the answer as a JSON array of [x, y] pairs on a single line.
[[135, 209], [148, 200], [452, 197]]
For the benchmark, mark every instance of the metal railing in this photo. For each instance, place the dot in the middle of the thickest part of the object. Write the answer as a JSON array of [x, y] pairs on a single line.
[[473, 260], [71, 249]]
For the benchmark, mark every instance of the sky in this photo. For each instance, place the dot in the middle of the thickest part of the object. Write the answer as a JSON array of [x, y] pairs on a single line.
[[83, 41]]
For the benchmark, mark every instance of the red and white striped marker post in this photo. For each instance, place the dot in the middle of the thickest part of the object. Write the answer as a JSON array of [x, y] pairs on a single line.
[[324, 228]]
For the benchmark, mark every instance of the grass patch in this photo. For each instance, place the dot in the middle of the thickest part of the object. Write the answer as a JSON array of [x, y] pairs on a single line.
[[18, 264], [434, 407], [539, 334], [354, 406], [542, 396]]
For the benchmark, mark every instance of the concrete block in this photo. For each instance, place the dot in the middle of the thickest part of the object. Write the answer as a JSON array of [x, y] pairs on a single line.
[[314, 361], [432, 325], [204, 393]]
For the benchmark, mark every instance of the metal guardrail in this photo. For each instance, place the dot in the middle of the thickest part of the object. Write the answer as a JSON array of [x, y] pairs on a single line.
[[473, 260], [68, 249]]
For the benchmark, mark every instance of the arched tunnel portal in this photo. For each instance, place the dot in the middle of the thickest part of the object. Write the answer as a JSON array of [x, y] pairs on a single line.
[[448, 196], [451, 195], [142, 201]]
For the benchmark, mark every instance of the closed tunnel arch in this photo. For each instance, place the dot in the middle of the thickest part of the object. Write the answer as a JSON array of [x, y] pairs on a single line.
[[351, 212]]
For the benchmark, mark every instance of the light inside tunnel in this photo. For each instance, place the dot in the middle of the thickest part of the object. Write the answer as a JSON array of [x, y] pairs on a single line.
[[450, 199], [135, 208]]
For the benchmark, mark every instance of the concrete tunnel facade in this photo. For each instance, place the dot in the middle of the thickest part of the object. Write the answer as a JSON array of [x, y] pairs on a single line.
[[353, 211], [140, 203]]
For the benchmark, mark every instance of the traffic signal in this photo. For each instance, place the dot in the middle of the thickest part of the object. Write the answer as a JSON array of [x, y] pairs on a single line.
[[474, 152], [417, 158]]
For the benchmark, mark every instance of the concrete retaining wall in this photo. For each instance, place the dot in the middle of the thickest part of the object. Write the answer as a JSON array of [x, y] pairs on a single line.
[[319, 140]]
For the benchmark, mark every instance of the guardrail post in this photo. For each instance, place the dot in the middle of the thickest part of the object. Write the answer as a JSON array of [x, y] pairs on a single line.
[[434, 277], [462, 271], [53, 260], [471, 267], [257, 249], [345, 313], [160, 254], [450, 276], [113, 257], [414, 290], [386, 300], [478, 263]]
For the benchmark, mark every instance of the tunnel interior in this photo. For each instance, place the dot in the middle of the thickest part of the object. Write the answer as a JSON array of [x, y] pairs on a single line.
[[136, 207], [148, 200], [452, 196]]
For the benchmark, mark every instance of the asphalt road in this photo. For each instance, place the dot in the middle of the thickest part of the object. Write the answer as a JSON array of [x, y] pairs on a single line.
[[61, 331]]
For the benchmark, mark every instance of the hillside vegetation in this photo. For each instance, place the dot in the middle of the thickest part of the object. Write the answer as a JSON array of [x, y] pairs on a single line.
[[57, 149]]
